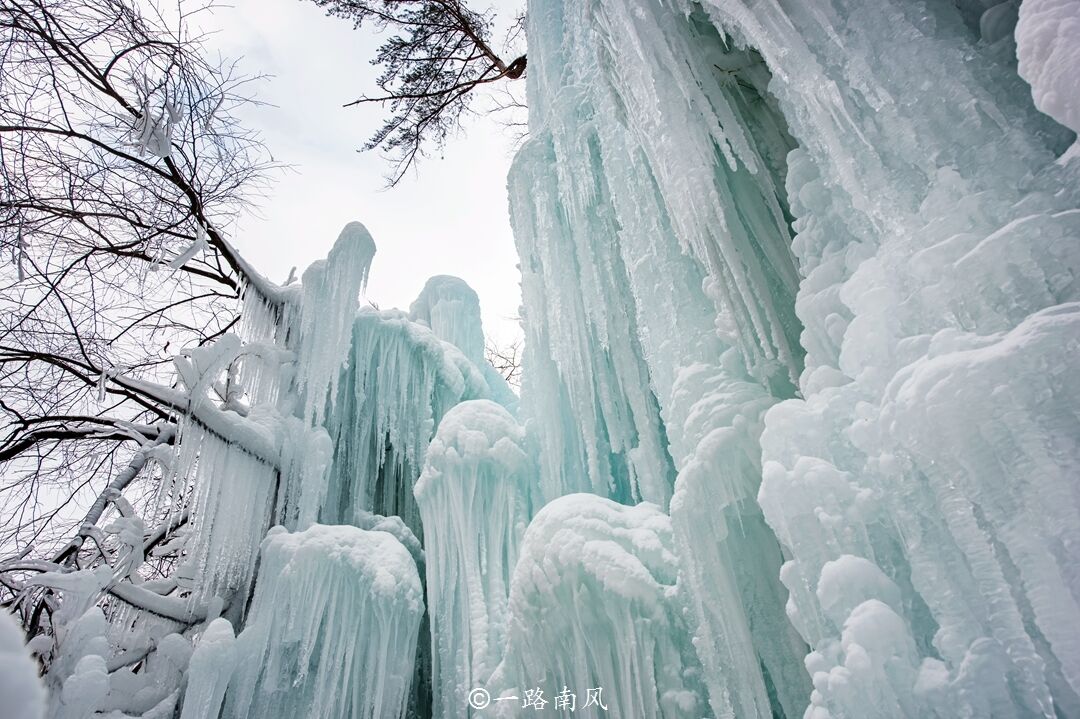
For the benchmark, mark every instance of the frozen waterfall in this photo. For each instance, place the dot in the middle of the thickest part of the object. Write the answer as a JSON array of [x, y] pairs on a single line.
[[799, 432], [829, 257]]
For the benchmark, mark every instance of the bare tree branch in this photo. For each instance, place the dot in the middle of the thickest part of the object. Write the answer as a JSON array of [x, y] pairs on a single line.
[[121, 159], [506, 359], [438, 55]]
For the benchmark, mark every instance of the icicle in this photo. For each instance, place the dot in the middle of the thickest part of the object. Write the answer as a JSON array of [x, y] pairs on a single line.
[[779, 185], [232, 492], [305, 472]]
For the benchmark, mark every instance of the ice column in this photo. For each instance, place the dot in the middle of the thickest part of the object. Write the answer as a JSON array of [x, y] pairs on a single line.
[[212, 665], [331, 290], [937, 241], [474, 501], [401, 380], [452, 310], [594, 605], [729, 558], [332, 630]]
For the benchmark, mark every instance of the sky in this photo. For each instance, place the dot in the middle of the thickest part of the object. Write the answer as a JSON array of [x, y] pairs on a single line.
[[448, 217]]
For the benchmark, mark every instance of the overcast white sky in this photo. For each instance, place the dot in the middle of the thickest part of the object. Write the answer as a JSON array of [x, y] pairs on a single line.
[[449, 218]]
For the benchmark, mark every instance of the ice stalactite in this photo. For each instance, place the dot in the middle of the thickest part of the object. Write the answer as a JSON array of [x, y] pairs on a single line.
[[474, 501], [401, 380], [594, 604], [593, 404], [332, 629], [266, 460], [703, 176], [212, 665], [650, 241]]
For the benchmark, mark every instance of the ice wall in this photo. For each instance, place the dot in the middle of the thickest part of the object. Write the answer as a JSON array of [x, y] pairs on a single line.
[[833, 246]]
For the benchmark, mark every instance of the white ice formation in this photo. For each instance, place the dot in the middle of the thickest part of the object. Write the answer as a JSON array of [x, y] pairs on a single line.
[[799, 431], [21, 692], [474, 501], [594, 604], [332, 629]]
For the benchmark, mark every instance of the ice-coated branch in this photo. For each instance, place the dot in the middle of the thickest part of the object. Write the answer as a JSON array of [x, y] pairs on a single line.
[[181, 610], [166, 402], [129, 473]]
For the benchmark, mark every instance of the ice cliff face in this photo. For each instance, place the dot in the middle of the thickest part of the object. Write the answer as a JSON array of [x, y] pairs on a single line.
[[799, 432], [821, 267]]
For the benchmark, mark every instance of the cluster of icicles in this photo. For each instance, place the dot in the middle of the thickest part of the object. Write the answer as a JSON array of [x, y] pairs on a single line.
[[368, 433], [800, 417]]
